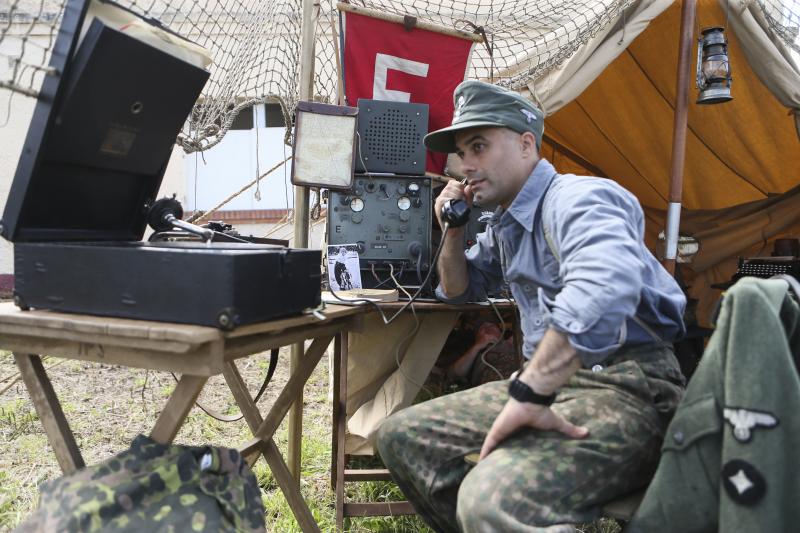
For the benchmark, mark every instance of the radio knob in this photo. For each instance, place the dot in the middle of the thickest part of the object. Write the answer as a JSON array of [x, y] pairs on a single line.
[[404, 216], [356, 218], [401, 190]]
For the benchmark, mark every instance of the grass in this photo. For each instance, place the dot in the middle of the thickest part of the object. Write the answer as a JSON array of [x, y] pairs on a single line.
[[107, 406]]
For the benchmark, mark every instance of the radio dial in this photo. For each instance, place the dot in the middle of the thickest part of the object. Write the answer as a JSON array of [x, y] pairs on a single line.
[[357, 205], [404, 203]]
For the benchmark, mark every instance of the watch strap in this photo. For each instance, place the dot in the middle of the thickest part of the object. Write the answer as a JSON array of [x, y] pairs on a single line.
[[522, 392]]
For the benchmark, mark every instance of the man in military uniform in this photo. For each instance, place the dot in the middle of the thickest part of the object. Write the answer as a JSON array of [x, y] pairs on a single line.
[[583, 421]]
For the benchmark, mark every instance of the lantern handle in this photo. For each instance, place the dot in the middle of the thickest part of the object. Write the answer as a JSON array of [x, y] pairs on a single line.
[[699, 71]]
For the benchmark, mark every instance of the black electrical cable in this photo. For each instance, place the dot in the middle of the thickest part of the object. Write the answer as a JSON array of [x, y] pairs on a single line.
[[273, 364]]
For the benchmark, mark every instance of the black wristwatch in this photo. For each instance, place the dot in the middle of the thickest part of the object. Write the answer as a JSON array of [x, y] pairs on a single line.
[[520, 391]]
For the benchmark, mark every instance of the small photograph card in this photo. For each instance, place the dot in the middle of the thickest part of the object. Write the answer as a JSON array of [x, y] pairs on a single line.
[[344, 273]]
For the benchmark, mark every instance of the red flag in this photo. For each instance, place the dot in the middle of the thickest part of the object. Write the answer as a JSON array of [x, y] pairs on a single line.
[[384, 61]]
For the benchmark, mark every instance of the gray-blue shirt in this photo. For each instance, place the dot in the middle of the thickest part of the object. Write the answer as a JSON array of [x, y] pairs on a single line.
[[594, 280]]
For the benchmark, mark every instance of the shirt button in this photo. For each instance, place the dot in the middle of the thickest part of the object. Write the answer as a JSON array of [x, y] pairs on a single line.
[[527, 288], [678, 437], [537, 322], [597, 368], [574, 327]]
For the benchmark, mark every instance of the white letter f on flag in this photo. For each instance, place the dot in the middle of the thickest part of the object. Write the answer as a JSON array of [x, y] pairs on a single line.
[[383, 63]]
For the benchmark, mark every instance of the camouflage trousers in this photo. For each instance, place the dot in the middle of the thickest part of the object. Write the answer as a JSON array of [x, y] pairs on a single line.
[[535, 480]]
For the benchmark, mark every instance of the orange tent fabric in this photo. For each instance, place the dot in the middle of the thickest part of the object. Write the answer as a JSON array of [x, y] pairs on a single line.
[[740, 152]]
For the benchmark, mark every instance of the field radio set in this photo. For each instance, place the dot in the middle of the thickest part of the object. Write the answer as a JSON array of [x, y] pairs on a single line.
[[388, 211]]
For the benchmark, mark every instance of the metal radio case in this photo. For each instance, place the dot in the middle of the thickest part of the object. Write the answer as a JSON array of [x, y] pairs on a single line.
[[389, 218]]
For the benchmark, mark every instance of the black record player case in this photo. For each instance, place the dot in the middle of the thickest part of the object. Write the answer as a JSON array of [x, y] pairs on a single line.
[[92, 164], [221, 284]]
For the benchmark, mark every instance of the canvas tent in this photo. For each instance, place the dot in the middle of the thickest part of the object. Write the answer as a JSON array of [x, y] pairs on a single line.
[[610, 109], [612, 104]]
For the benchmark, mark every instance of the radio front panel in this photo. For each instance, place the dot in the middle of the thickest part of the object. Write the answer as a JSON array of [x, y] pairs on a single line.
[[388, 217]]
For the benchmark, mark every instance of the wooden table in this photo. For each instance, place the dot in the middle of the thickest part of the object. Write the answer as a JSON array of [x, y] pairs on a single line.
[[196, 352]]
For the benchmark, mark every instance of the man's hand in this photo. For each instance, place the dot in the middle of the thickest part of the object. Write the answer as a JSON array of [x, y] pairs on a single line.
[[454, 190], [487, 334], [518, 415], [554, 362]]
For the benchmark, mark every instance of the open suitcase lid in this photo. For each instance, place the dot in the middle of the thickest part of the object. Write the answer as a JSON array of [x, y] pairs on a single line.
[[101, 134]]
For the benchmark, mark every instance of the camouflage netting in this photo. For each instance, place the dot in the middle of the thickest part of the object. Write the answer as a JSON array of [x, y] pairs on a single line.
[[255, 44]]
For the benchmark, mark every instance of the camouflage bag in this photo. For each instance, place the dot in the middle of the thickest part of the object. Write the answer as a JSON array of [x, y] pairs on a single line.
[[155, 488]]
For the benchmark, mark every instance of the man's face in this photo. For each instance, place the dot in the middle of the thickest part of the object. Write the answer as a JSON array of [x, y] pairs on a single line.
[[496, 163]]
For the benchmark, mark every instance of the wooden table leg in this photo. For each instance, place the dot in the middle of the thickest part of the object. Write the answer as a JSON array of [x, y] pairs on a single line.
[[242, 396], [290, 487], [296, 382], [246, 405], [340, 428], [177, 409], [335, 411], [50, 413], [295, 423]]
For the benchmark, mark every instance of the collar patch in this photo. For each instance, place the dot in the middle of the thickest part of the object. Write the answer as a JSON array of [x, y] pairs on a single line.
[[744, 484]]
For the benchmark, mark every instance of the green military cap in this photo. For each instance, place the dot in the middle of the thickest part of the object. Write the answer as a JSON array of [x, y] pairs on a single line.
[[479, 105]]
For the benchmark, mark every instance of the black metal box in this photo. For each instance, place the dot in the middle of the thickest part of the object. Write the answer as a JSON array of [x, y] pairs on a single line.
[[93, 160], [222, 285], [390, 137], [390, 219]]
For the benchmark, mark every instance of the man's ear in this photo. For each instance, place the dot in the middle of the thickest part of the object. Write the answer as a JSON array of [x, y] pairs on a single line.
[[528, 143]]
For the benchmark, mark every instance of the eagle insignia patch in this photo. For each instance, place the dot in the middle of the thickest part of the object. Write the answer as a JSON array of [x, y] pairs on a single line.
[[745, 420]]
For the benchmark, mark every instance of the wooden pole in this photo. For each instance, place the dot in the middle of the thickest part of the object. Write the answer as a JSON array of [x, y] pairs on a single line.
[[301, 197], [688, 12], [398, 19]]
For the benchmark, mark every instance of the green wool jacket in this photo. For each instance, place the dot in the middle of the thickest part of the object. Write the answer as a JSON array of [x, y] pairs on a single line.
[[731, 453]]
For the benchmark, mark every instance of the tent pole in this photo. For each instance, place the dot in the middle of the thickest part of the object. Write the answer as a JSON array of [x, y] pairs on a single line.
[[301, 197], [688, 13]]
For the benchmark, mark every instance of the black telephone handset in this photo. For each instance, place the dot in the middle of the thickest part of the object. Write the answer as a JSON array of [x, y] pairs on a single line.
[[455, 213]]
